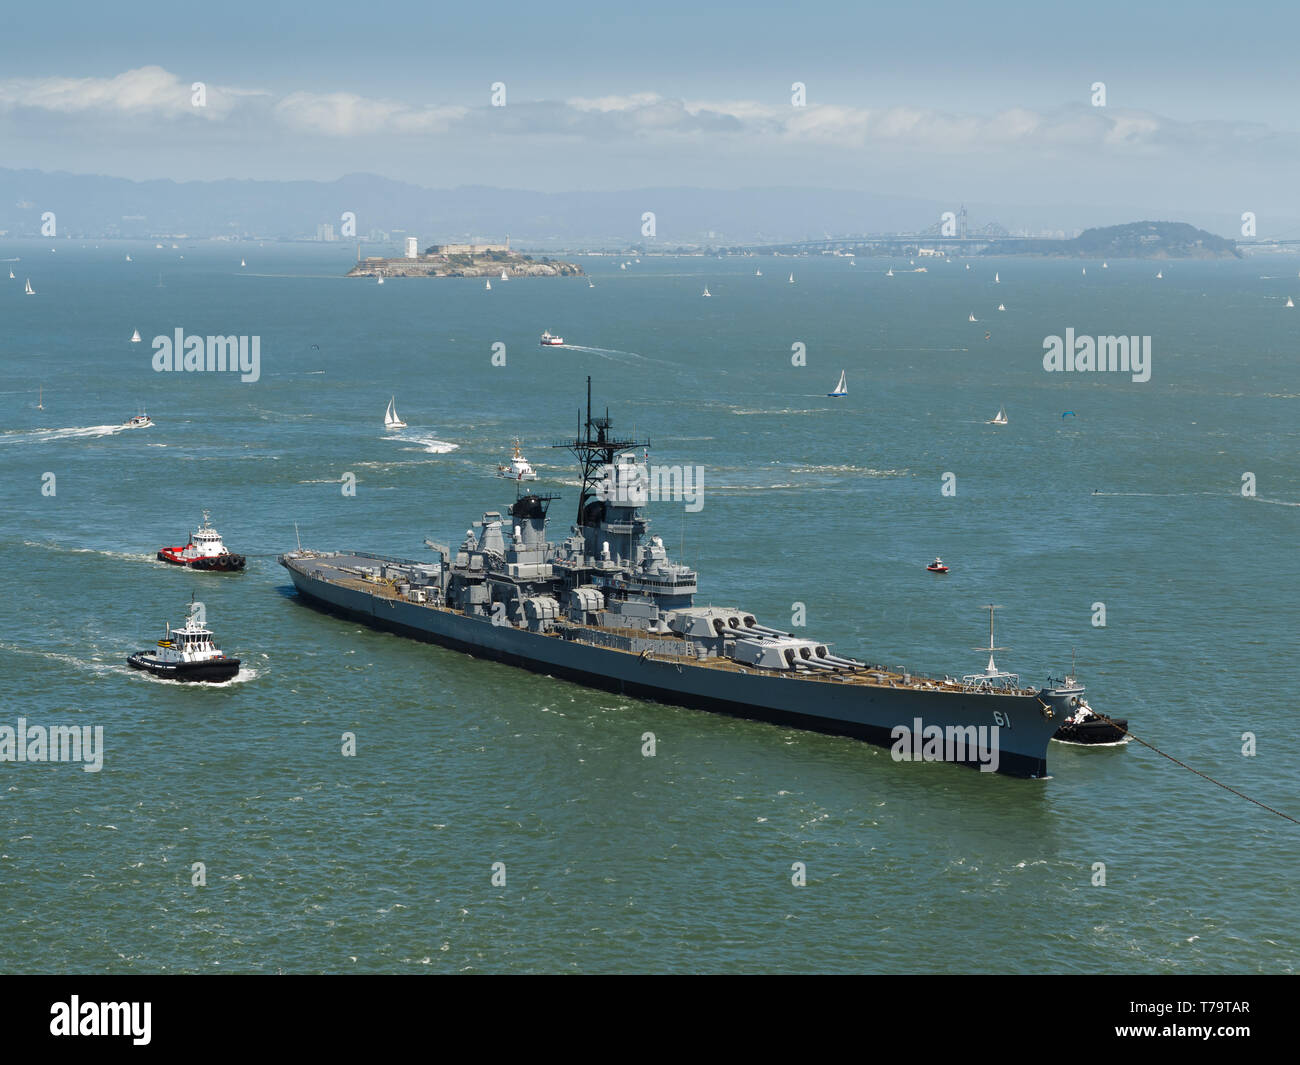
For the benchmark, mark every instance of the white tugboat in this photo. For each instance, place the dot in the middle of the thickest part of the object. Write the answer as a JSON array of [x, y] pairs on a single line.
[[190, 654], [206, 550], [519, 468]]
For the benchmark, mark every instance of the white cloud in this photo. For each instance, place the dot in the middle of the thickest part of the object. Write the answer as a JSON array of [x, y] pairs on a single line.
[[152, 92], [144, 91], [342, 114]]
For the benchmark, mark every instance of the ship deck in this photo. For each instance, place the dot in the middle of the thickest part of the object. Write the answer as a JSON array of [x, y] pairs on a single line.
[[342, 570]]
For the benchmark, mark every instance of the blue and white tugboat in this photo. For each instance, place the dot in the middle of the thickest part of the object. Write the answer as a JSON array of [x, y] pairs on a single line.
[[190, 653]]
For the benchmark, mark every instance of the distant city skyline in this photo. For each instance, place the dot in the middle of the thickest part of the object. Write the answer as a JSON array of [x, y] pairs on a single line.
[[955, 103]]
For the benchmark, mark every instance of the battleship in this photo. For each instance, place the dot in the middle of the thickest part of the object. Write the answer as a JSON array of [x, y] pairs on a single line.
[[607, 608]]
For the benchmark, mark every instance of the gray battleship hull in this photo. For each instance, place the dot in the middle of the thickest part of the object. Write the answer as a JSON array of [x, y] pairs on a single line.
[[872, 713]]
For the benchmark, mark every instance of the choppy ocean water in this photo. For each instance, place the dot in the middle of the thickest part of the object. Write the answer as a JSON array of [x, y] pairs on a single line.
[[615, 862]]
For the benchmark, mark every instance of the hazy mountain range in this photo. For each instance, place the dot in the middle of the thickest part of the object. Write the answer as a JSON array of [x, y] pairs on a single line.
[[91, 206]]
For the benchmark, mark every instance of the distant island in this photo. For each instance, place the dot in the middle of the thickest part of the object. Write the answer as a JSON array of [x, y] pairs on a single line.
[[1136, 240], [463, 260]]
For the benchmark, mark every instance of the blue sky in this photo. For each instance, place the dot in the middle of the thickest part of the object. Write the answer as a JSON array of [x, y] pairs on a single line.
[[989, 99]]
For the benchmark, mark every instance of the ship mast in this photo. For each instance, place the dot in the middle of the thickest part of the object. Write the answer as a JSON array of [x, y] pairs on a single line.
[[595, 447], [993, 669]]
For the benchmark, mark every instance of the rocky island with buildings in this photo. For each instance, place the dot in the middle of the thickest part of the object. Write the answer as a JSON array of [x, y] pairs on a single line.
[[463, 260]]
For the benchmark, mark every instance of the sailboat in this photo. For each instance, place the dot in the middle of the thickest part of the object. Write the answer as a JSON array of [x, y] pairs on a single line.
[[1001, 307], [590, 283], [1000, 418], [758, 273], [135, 337], [487, 285], [1159, 274], [972, 317], [1085, 271], [128, 258], [1105, 266], [889, 272], [706, 291], [792, 279], [842, 388], [997, 280], [242, 263], [391, 420], [30, 291], [381, 280], [40, 397], [11, 276], [1290, 302], [504, 277]]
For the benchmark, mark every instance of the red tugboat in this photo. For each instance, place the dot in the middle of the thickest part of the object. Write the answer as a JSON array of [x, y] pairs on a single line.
[[204, 551], [937, 566]]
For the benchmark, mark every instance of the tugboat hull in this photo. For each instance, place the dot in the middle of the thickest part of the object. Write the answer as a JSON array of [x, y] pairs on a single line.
[[212, 671], [1093, 731], [218, 563]]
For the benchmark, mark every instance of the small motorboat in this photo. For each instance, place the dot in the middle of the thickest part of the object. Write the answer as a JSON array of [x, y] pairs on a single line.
[[206, 550], [937, 566], [519, 468], [549, 341], [138, 421], [188, 654]]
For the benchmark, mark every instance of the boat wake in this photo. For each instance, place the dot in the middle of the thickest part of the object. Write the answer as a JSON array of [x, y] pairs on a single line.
[[428, 443], [125, 556], [818, 410], [83, 665], [613, 354], [47, 436]]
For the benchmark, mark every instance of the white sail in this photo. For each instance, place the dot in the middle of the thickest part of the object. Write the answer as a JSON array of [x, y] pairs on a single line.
[[503, 276], [842, 387], [1290, 302], [135, 337], [997, 280], [792, 279], [1001, 307], [242, 263], [706, 290], [487, 285], [391, 420], [30, 291]]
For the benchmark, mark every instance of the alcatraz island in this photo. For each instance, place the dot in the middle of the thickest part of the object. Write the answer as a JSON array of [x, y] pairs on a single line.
[[463, 260]]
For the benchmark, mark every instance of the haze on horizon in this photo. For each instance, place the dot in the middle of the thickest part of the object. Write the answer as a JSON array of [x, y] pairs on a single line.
[[943, 101]]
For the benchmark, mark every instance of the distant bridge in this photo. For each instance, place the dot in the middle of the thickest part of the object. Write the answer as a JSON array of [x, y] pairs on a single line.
[[930, 240]]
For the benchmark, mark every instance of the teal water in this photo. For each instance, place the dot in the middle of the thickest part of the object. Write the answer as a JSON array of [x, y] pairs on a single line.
[[614, 861]]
